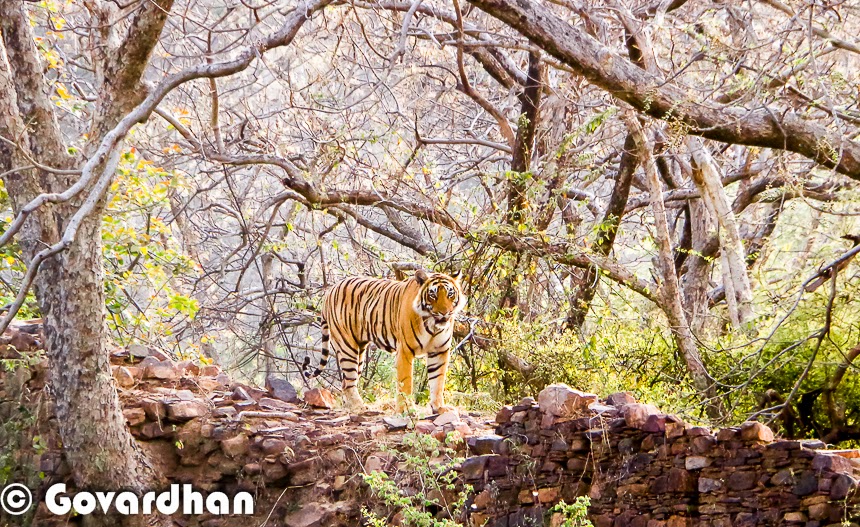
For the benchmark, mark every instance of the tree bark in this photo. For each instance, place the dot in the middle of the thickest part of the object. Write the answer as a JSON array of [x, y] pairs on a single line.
[[669, 291], [707, 178]]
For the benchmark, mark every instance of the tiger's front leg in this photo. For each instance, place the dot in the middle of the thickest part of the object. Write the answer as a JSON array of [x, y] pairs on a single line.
[[437, 368], [403, 395]]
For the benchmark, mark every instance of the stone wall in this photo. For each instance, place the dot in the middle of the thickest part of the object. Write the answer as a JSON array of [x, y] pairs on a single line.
[[644, 468], [303, 460]]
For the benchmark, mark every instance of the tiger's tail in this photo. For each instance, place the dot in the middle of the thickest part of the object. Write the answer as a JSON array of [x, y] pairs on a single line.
[[323, 358]]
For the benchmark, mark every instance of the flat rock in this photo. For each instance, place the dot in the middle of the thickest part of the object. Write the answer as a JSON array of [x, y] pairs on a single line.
[[162, 370], [620, 399], [396, 423], [447, 418], [186, 410]]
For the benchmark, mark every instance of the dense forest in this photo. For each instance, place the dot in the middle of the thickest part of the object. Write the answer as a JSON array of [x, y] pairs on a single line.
[[655, 197]]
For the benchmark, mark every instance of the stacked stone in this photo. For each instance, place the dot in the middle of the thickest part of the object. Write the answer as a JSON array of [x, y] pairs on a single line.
[[641, 467]]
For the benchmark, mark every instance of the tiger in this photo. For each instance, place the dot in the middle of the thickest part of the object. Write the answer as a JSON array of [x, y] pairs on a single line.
[[410, 318]]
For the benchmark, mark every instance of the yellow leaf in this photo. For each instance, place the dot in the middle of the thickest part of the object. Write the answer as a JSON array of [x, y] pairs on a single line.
[[62, 92]]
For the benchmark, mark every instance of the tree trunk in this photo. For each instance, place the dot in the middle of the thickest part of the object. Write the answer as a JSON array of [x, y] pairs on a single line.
[[670, 292], [707, 178]]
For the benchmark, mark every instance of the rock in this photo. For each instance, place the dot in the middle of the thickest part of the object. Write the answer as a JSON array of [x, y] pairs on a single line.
[[637, 414], [619, 399], [741, 480], [482, 445], [152, 430], [395, 424], [563, 401], [137, 351], [235, 446], [783, 477], [310, 515], [806, 484], [227, 411], [275, 404], [447, 418], [463, 429], [424, 427], [124, 377], [185, 395], [208, 384], [675, 430], [320, 398], [241, 394], [819, 511], [831, 462], [164, 371], [210, 370], [504, 414], [696, 462], [795, 517], [187, 367], [273, 446], [186, 410], [155, 410], [755, 431], [842, 485], [473, 468], [654, 424], [134, 416], [281, 389], [548, 495], [709, 485], [376, 463]]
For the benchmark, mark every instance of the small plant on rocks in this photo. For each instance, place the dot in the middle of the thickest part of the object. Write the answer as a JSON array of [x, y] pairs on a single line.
[[431, 499]]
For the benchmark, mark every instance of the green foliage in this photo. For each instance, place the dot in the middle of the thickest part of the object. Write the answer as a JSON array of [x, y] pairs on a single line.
[[431, 465], [144, 266], [574, 514]]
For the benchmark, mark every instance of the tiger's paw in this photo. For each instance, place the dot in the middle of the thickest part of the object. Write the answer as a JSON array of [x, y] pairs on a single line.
[[354, 402]]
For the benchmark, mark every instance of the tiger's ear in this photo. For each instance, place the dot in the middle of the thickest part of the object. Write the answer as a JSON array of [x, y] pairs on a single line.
[[456, 276], [421, 276]]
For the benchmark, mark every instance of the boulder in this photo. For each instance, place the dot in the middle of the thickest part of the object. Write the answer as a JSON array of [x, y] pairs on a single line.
[[637, 414], [755, 431], [563, 401], [281, 389], [320, 398]]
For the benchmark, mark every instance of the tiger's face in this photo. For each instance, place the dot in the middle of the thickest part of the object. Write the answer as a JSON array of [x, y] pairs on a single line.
[[439, 300]]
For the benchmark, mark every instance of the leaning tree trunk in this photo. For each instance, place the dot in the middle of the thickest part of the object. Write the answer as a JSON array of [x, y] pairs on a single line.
[[670, 292]]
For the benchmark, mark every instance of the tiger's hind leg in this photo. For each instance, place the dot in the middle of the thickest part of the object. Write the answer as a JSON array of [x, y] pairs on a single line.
[[350, 367]]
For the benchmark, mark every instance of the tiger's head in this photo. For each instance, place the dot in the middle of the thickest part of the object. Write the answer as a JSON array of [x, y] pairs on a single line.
[[439, 299]]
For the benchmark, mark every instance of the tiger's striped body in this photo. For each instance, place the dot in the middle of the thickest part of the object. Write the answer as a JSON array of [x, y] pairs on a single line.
[[411, 318]]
